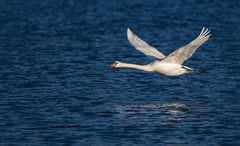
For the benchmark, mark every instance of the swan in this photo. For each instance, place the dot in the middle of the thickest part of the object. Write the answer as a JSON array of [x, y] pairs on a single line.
[[171, 65]]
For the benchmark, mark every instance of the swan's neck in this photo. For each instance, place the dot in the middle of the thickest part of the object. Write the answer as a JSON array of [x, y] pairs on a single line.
[[135, 66]]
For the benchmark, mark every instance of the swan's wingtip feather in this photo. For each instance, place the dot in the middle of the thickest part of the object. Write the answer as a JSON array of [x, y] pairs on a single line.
[[129, 32], [202, 31], [205, 31]]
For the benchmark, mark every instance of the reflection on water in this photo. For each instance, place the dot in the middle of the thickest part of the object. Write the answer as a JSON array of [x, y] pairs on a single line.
[[160, 117], [165, 119], [165, 112], [154, 106]]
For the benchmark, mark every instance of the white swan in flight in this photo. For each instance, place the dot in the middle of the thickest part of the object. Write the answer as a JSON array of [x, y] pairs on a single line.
[[170, 65]]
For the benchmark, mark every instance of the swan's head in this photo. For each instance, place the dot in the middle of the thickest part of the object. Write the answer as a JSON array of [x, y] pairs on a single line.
[[115, 64]]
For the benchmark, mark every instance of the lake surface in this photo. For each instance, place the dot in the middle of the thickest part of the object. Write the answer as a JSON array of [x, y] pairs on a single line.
[[56, 87]]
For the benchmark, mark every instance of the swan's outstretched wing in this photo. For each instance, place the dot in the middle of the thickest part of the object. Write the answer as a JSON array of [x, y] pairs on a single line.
[[185, 52], [142, 46]]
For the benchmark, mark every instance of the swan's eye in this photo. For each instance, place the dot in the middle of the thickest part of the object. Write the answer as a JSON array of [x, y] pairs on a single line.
[[113, 65]]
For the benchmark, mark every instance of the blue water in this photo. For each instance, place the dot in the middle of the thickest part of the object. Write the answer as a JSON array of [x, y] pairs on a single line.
[[56, 87]]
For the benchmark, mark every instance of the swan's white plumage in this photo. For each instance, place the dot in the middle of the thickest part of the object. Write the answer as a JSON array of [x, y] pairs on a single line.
[[170, 65], [185, 52], [142, 46]]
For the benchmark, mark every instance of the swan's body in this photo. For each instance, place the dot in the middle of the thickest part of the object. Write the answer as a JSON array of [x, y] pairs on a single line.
[[170, 65]]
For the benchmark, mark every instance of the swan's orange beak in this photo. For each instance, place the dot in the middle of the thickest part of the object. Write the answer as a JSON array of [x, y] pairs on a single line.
[[113, 65]]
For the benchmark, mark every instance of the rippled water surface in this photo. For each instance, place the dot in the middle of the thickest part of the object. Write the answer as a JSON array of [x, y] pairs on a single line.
[[56, 87]]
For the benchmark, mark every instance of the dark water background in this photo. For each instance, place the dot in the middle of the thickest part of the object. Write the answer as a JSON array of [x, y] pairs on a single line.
[[56, 87]]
